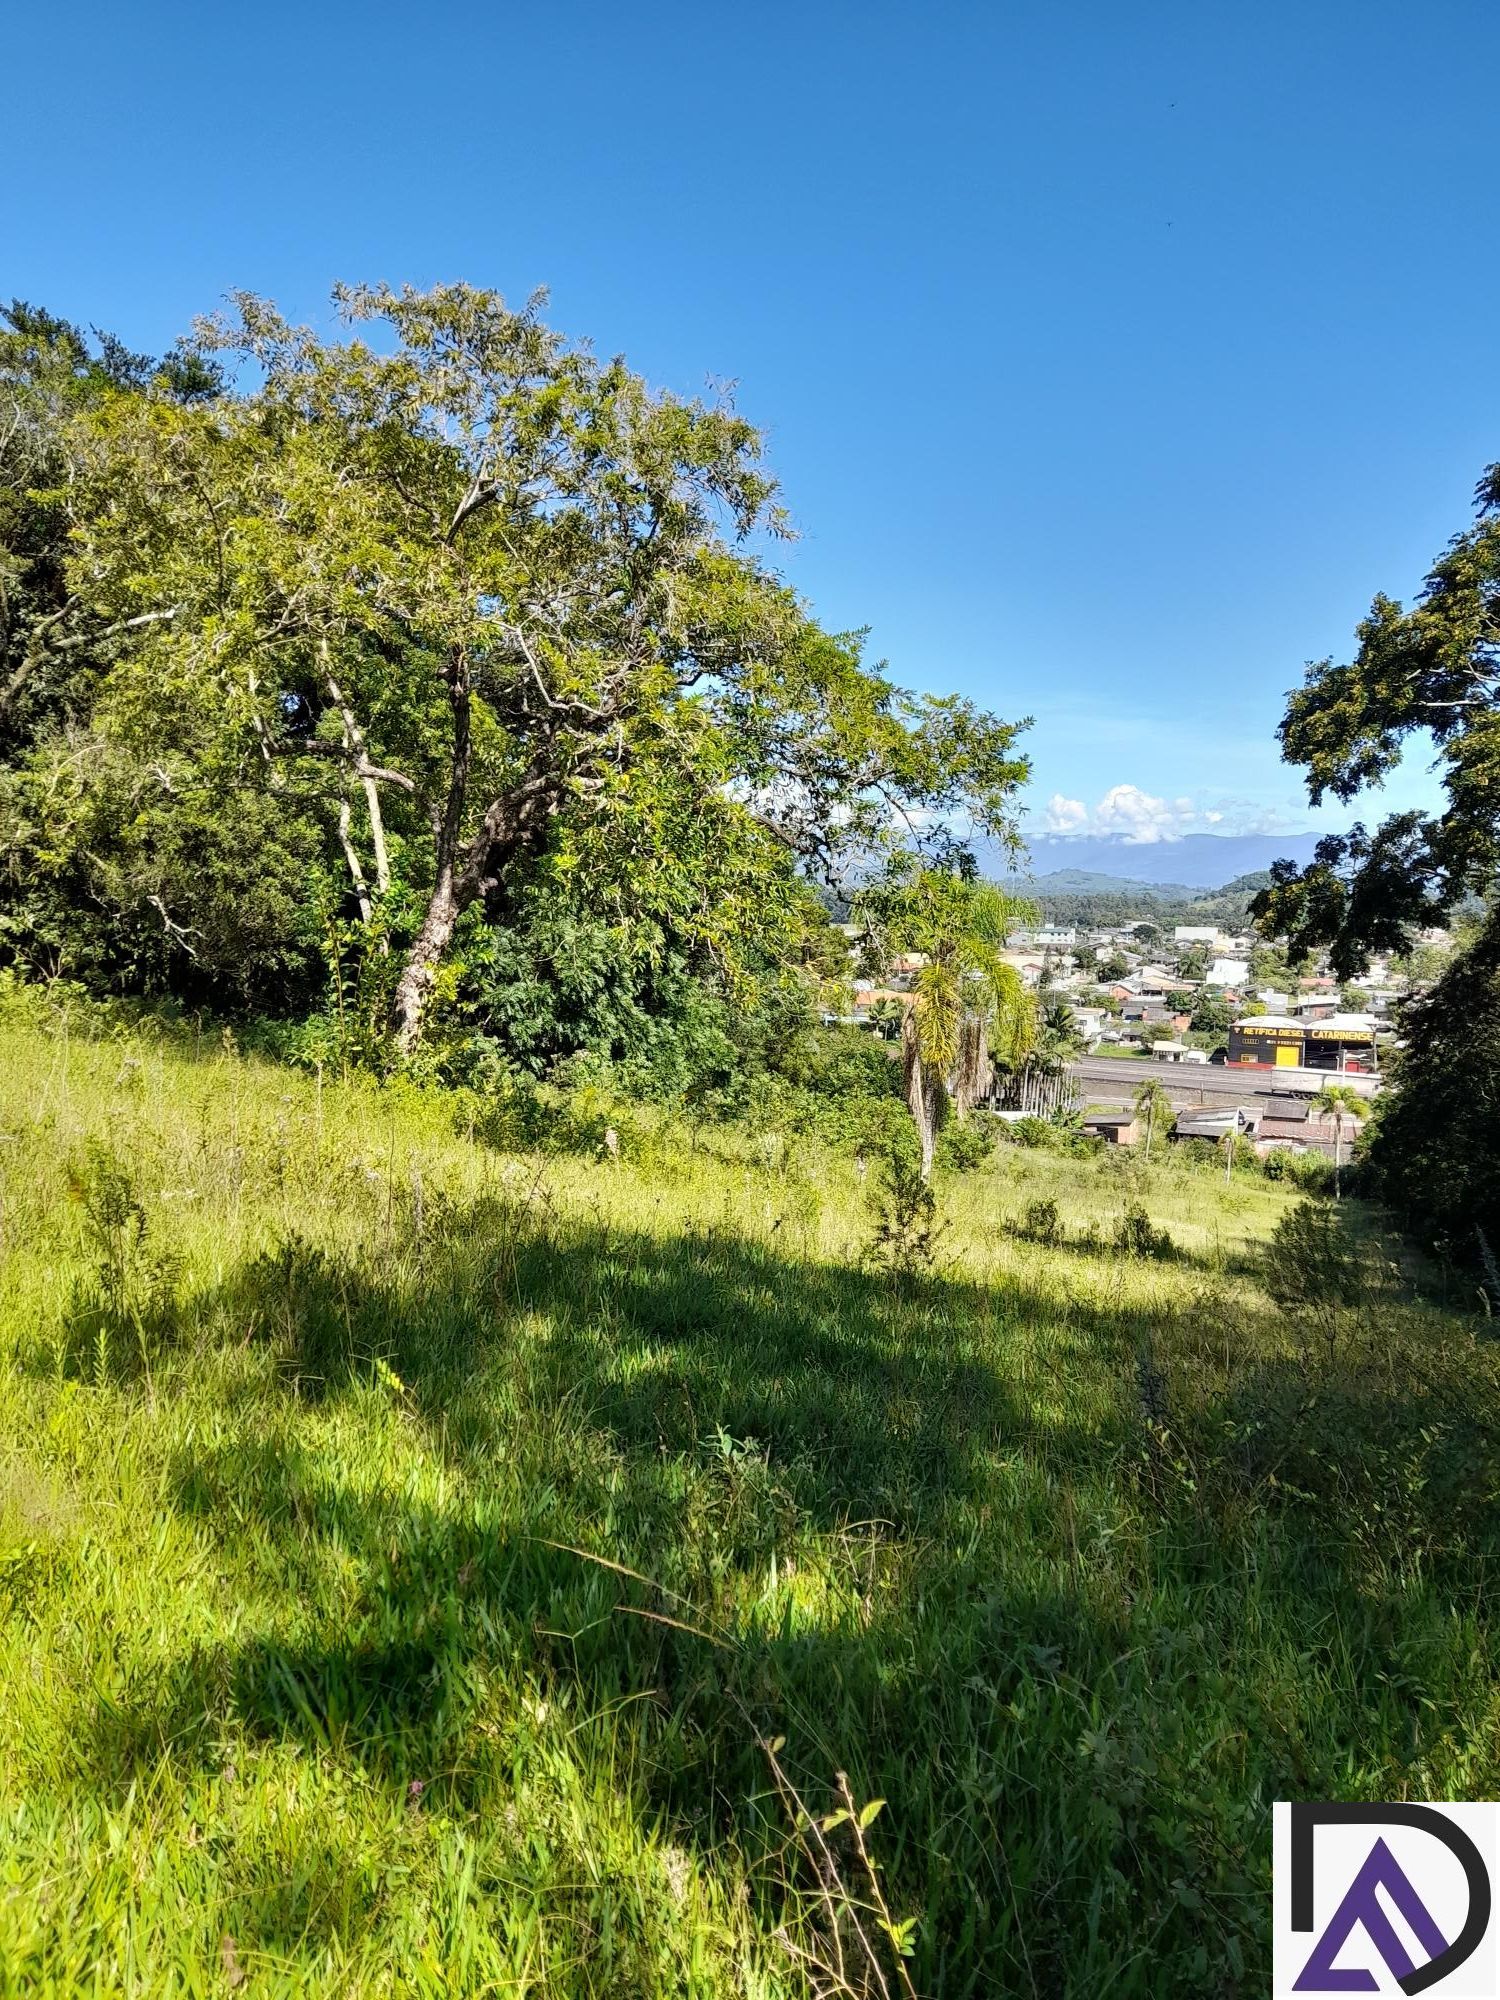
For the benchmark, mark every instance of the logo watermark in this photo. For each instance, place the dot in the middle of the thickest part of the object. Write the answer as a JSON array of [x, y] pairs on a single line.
[[1386, 1899]]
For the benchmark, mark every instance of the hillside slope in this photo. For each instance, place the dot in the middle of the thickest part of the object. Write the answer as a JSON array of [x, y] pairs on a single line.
[[409, 1549]]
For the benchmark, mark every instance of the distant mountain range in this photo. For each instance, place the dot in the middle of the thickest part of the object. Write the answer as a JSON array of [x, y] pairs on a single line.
[[1090, 882], [1174, 869]]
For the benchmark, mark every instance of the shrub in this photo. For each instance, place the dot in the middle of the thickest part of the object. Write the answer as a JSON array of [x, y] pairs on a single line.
[[904, 1209], [1041, 1222], [1034, 1132], [963, 1147], [1310, 1266], [128, 1304], [1136, 1235]]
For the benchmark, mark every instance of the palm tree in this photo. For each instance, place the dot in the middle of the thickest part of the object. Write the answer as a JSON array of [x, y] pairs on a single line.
[[1151, 1103], [1339, 1101], [969, 1009], [1060, 1036], [885, 1018]]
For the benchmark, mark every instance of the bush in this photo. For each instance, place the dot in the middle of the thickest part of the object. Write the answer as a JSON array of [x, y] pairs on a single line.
[[127, 1307], [1310, 1266], [904, 1209], [1136, 1235], [1041, 1223], [963, 1147], [1308, 1171]]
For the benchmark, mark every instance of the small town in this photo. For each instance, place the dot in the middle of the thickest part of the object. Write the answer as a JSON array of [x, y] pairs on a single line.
[[1237, 1039]]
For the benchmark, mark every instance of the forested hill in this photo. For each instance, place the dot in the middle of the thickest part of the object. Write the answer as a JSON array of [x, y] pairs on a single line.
[[1080, 896]]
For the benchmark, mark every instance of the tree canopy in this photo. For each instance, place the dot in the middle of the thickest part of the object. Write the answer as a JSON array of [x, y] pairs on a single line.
[[360, 644], [1432, 669], [969, 1011]]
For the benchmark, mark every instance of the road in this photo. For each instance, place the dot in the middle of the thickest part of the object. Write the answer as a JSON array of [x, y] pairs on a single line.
[[1115, 1080]]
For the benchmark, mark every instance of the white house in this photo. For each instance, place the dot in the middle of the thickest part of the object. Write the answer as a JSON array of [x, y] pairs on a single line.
[[1227, 972]]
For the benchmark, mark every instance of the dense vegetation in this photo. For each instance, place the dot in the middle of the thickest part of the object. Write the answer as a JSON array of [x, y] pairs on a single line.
[[440, 1562], [1431, 670], [433, 682], [1114, 903], [1434, 1153]]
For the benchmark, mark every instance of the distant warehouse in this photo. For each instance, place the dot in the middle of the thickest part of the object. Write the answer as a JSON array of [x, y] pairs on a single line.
[[1276, 1041]]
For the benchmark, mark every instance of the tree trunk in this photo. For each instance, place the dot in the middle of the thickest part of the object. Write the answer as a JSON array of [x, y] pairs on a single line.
[[923, 1095], [448, 899], [975, 1073], [414, 988], [356, 871]]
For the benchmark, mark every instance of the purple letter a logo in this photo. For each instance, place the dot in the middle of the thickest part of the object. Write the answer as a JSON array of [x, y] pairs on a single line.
[[1361, 1907]]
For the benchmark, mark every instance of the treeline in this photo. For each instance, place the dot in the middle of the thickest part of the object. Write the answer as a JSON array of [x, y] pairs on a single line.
[[430, 690], [1229, 907]]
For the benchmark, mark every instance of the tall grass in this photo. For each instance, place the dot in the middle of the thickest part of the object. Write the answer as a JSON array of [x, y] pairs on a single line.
[[433, 1569]]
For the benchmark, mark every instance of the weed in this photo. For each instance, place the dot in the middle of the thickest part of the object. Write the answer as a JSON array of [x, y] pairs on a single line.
[[1041, 1222], [124, 1306], [904, 1209], [1136, 1235]]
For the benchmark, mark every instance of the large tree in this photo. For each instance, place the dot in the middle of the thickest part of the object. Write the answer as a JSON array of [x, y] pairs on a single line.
[[504, 604], [1432, 669], [118, 861], [1435, 1147]]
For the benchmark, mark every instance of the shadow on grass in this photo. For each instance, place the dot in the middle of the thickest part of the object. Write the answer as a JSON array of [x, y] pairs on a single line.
[[954, 1539]]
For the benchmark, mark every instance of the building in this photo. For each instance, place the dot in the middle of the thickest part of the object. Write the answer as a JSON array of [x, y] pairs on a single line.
[[1213, 1122], [1293, 1124], [1115, 1128], [867, 995], [1151, 983], [1196, 934], [1146, 1014], [1266, 1041], [1227, 972], [1029, 965], [1177, 1052], [1342, 1042], [1339, 1042]]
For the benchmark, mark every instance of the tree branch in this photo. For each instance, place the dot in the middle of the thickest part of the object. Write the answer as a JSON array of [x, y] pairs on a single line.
[[365, 771]]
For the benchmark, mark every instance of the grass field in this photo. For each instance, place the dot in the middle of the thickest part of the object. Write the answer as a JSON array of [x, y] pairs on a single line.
[[431, 1569]]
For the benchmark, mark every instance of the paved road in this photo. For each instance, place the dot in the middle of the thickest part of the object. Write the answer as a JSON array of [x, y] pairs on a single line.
[[1107, 1080]]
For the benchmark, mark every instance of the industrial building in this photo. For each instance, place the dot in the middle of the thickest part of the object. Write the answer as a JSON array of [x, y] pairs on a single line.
[[1342, 1042]]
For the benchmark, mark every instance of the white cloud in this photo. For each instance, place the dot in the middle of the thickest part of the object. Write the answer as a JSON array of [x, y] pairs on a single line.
[[1066, 815], [1136, 818]]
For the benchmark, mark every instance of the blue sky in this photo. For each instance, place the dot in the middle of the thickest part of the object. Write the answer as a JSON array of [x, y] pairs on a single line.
[[1112, 357]]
